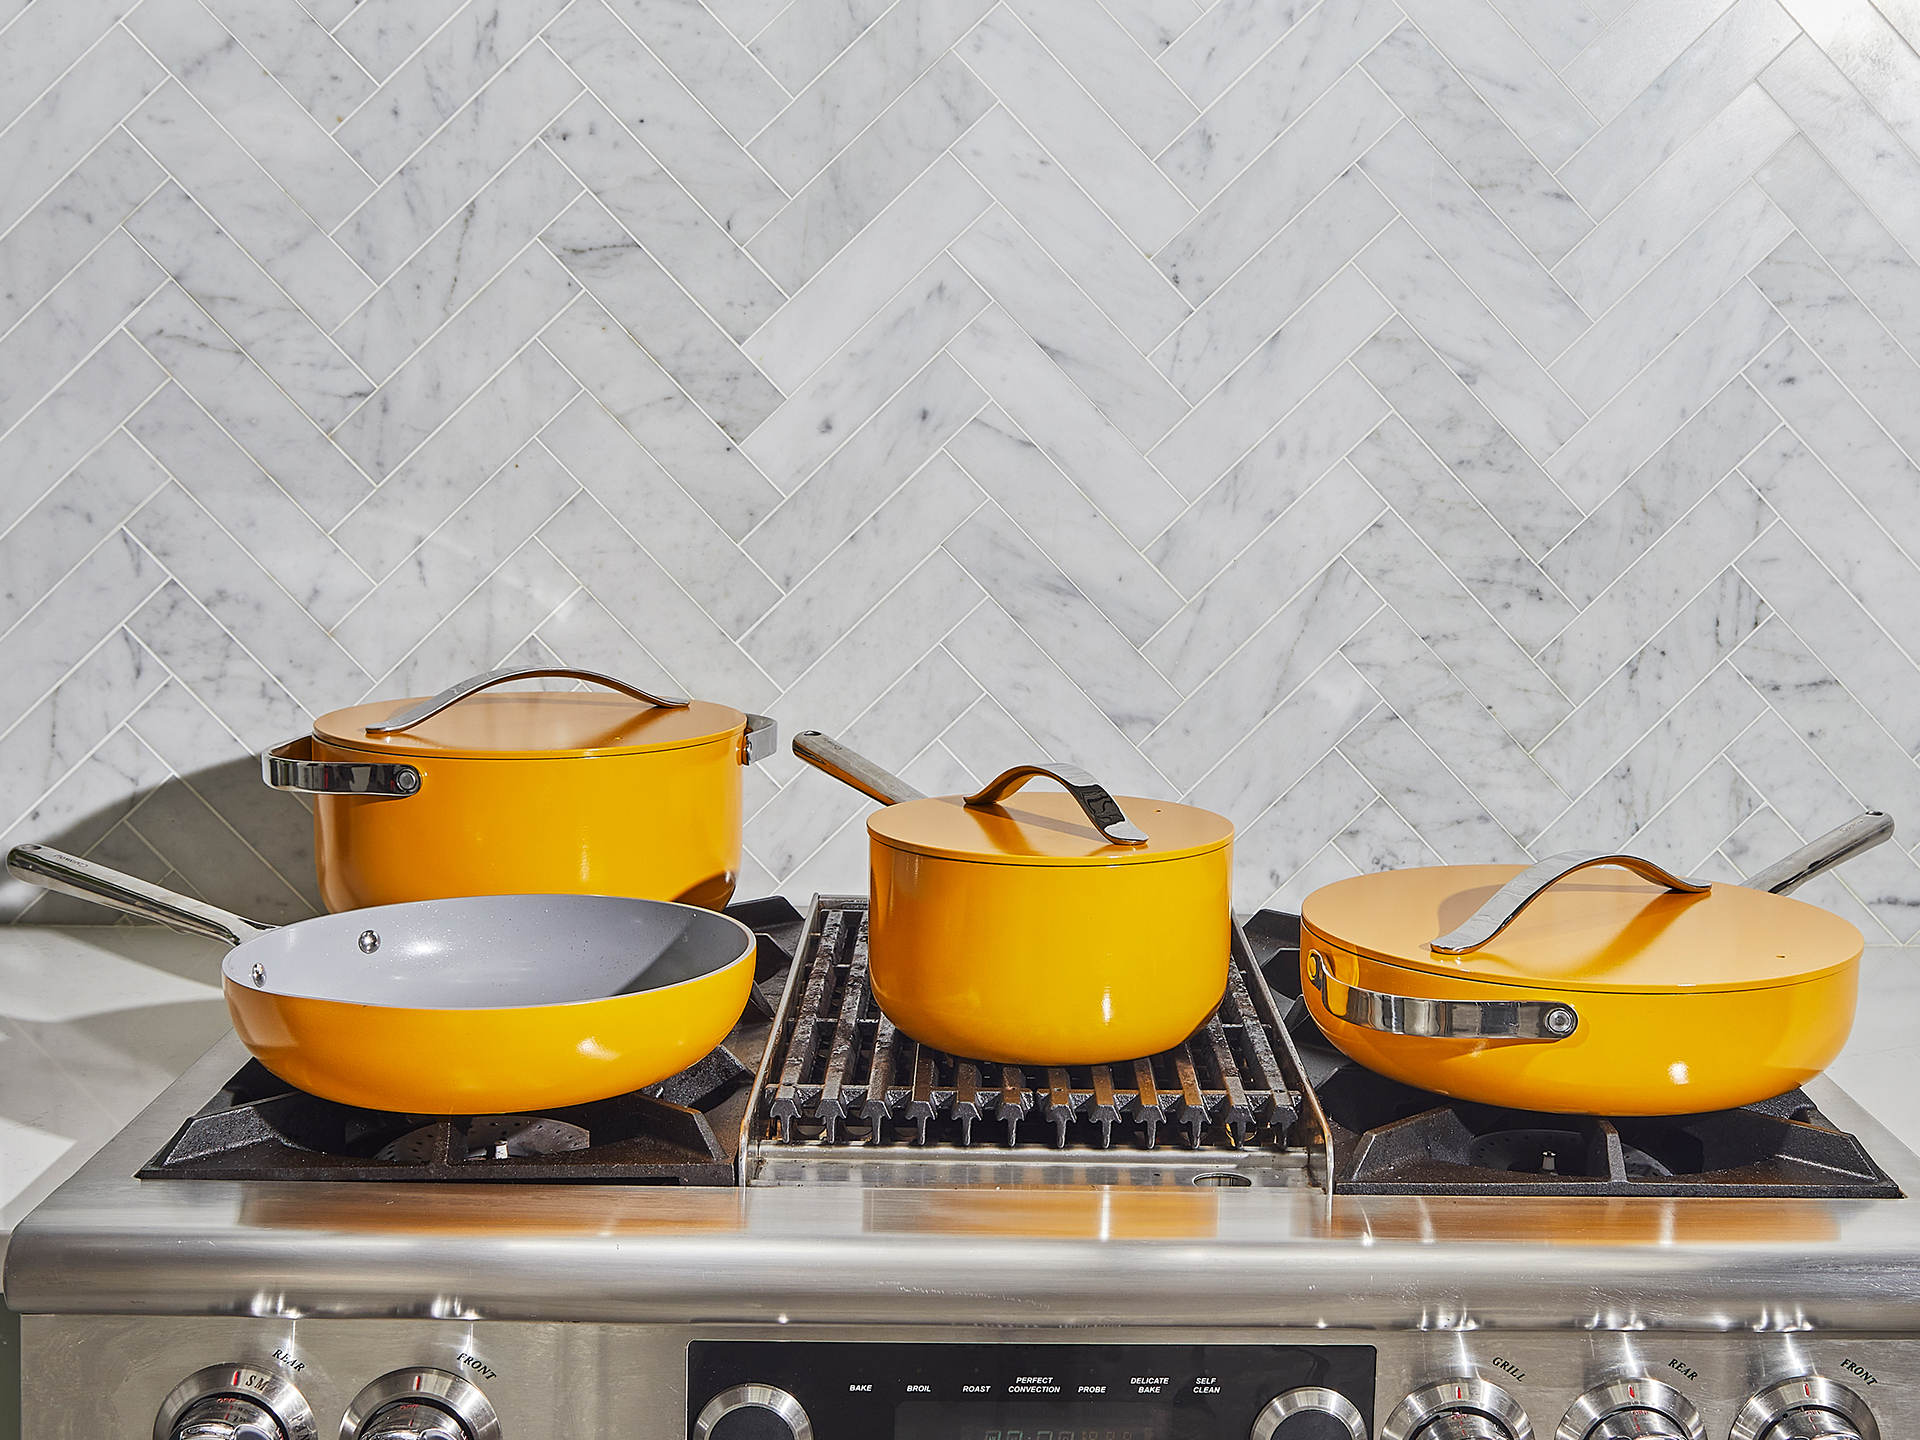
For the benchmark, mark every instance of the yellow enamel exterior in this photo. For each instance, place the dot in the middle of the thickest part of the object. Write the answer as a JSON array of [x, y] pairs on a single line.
[[1018, 952], [482, 1062], [551, 793], [1686, 1003]]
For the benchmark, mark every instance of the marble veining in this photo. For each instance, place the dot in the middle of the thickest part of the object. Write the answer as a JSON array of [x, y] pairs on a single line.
[[1422, 430]]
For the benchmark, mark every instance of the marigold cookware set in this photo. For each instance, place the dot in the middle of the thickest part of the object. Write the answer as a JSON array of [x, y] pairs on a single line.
[[525, 887]]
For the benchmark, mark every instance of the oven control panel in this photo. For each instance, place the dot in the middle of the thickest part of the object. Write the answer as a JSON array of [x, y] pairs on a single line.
[[830, 1390]]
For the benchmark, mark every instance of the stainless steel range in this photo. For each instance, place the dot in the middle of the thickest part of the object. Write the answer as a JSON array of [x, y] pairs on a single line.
[[829, 1231]]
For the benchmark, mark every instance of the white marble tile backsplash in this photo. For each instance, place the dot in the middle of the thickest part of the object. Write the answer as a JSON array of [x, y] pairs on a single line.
[[1420, 429]]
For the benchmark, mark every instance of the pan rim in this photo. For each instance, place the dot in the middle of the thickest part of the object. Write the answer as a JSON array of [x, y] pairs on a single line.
[[238, 982]]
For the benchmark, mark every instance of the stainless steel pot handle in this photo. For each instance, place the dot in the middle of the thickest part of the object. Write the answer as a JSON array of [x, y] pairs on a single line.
[[292, 767], [1094, 798], [52, 869], [473, 684], [850, 767], [1544, 1020], [1503, 907], [762, 738]]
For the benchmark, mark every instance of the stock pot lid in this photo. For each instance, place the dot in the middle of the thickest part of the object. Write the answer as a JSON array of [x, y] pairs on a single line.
[[1045, 827], [534, 725], [1599, 930]]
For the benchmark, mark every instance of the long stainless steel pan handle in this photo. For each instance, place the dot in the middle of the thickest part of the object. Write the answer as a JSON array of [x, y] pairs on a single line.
[[1816, 857], [1093, 797], [1549, 1020], [474, 684], [292, 767], [850, 767], [52, 869]]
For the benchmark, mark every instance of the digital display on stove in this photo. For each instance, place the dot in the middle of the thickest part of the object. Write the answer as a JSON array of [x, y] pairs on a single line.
[[1031, 1420]]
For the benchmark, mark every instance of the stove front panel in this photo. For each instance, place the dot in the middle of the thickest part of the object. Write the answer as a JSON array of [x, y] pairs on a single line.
[[88, 1377]]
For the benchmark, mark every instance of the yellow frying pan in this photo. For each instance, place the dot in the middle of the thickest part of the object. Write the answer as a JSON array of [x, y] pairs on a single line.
[[473, 1005], [1570, 986]]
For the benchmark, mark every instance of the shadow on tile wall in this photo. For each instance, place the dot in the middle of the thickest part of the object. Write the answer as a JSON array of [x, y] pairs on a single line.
[[217, 834]]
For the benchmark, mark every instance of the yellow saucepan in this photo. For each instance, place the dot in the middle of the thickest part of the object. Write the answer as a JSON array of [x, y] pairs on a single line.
[[563, 792], [1572, 986], [1056, 929], [466, 1006]]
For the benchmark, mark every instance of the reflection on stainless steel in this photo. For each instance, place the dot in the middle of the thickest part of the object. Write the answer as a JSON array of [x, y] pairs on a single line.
[[420, 1404], [239, 1400], [1093, 798], [1816, 857], [474, 684], [1546, 1020], [52, 869], [761, 1397], [291, 766], [1459, 1407], [1310, 1400], [1503, 907], [1806, 1407], [1625, 1409]]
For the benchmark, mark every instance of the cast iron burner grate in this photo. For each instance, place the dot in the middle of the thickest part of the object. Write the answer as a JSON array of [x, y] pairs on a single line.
[[1392, 1139], [840, 1078], [260, 1128]]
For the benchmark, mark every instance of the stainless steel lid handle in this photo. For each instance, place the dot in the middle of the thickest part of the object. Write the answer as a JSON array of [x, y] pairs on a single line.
[[1095, 799], [850, 767], [473, 684], [292, 767], [1837, 846], [1542, 1020], [1506, 903], [762, 739], [52, 869]]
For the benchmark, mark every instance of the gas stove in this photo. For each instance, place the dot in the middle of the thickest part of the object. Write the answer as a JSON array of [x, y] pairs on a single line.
[[827, 1229]]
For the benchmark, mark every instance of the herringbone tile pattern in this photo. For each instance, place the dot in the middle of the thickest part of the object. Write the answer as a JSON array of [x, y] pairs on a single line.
[[1434, 430]]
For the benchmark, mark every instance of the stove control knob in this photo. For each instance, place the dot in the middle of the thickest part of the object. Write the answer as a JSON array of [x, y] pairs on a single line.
[[1310, 1413], [420, 1405], [234, 1402], [1809, 1407], [1464, 1409], [1633, 1409], [753, 1412]]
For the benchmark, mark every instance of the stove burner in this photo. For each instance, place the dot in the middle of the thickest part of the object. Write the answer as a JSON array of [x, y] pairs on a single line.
[[493, 1137], [840, 1079]]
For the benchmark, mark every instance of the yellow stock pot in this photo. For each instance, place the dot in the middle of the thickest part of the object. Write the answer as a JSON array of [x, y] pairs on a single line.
[[1573, 986], [1053, 929], [551, 792]]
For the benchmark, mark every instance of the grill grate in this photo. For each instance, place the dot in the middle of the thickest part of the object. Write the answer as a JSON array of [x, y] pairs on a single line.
[[840, 1075]]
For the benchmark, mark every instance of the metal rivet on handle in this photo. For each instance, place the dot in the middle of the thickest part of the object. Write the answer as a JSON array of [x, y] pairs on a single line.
[[1560, 1020], [259, 974], [369, 942], [406, 781]]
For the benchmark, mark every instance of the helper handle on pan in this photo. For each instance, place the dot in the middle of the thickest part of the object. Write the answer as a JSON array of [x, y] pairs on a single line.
[[1440, 1019], [1094, 798], [1503, 907], [473, 684], [849, 767], [1863, 832], [53, 869]]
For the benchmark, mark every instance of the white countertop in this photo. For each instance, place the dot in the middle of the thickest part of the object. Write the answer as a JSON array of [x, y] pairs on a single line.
[[96, 1020]]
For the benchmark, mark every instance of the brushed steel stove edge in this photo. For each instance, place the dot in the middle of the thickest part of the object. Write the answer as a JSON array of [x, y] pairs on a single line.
[[106, 1244]]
